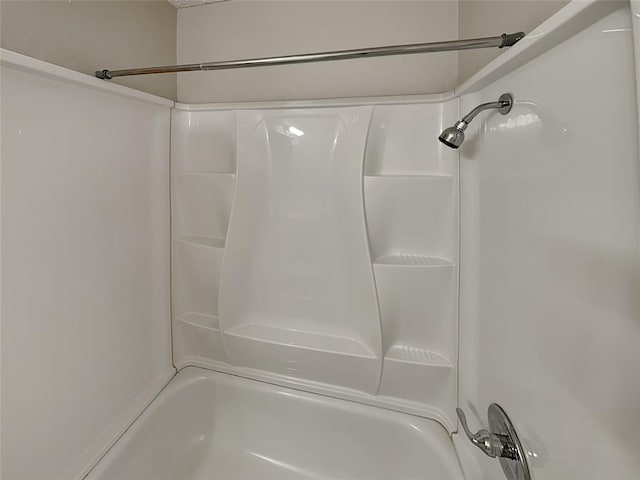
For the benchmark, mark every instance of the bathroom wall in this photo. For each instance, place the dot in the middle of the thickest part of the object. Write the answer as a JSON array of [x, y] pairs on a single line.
[[245, 29], [550, 205], [299, 257], [481, 18], [85, 264], [90, 35]]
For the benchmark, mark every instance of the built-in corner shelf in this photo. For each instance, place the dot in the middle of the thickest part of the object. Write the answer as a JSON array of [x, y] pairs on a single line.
[[202, 204], [416, 355], [204, 141], [229, 175], [412, 260], [418, 307], [196, 266], [411, 215], [198, 335], [417, 374], [200, 320], [203, 183], [203, 241], [410, 176], [412, 226]]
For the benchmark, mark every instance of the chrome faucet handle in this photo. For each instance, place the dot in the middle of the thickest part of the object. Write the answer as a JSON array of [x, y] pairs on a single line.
[[486, 441], [501, 442]]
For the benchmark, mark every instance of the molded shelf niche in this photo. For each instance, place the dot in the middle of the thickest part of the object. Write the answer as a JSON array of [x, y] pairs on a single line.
[[419, 375], [202, 204], [416, 355], [412, 260], [412, 175], [203, 141], [417, 297], [418, 306], [411, 215], [403, 140], [214, 242], [197, 265], [306, 355], [198, 335]]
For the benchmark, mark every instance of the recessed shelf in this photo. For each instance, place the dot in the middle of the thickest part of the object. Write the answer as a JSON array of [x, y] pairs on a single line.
[[412, 260], [204, 141], [410, 176], [203, 241], [200, 320], [196, 266], [198, 335], [411, 215], [419, 375], [402, 138], [416, 355], [204, 172], [202, 205], [299, 339]]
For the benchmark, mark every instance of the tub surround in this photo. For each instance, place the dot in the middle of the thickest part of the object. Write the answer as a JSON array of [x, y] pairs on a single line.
[[319, 270], [316, 245]]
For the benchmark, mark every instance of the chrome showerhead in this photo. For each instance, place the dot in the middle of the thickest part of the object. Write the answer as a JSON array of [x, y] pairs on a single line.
[[454, 136]]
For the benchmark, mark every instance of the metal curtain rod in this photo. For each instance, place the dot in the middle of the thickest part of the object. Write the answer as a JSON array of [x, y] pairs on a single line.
[[501, 41]]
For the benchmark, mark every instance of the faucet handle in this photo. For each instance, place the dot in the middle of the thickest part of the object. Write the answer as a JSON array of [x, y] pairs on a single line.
[[491, 444], [463, 420], [501, 442]]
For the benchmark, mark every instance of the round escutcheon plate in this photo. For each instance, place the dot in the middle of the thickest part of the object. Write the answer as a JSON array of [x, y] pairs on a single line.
[[514, 463]]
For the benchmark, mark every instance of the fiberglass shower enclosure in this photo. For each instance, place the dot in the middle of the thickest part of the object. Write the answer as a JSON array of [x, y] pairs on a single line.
[[341, 281]]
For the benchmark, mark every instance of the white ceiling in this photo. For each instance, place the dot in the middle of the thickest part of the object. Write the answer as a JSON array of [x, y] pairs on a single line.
[[191, 3]]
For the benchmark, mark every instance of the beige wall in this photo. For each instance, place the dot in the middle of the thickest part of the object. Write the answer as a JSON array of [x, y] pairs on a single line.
[[481, 18], [88, 35], [243, 29]]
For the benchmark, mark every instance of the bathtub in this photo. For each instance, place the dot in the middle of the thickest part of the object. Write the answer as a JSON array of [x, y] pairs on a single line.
[[206, 424]]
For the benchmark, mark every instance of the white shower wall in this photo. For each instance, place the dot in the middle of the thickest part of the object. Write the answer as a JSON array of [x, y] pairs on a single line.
[[315, 245], [85, 274], [550, 277], [300, 255]]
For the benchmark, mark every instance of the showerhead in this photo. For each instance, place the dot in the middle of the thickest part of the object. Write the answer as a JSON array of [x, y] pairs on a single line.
[[454, 136]]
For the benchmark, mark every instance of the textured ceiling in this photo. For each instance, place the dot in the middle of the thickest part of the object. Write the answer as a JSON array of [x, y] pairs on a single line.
[[192, 3]]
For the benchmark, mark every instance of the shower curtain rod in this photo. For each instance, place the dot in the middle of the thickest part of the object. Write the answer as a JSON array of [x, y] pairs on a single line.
[[501, 41]]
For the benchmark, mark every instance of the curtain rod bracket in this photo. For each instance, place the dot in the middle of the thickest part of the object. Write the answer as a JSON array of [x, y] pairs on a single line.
[[103, 74], [510, 39]]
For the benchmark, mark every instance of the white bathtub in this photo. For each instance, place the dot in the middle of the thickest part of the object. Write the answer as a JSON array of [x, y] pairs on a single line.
[[206, 424]]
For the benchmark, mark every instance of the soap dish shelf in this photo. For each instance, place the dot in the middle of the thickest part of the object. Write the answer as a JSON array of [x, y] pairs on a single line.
[[416, 355], [412, 260]]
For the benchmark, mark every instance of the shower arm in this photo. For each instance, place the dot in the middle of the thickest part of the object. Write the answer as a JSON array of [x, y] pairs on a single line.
[[464, 122], [453, 137]]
